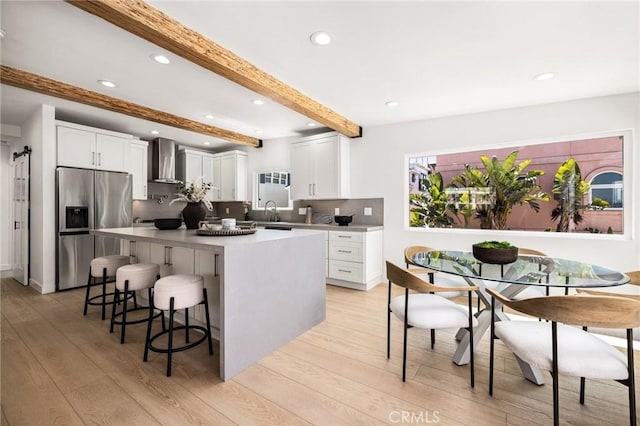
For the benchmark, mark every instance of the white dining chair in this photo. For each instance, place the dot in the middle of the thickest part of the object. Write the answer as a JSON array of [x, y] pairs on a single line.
[[558, 347], [422, 308]]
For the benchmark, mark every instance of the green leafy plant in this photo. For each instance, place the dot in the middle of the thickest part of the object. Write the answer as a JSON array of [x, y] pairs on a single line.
[[569, 191], [429, 208], [474, 178], [495, 244]]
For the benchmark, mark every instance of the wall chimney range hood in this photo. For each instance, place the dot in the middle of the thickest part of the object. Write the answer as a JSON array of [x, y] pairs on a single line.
[[163, 161]]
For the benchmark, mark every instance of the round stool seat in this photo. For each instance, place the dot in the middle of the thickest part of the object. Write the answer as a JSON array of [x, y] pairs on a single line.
[[186, 290], [139, 275], [111, 263]]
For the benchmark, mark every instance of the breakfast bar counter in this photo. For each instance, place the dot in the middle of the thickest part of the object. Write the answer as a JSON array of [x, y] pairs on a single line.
[[264, 289]]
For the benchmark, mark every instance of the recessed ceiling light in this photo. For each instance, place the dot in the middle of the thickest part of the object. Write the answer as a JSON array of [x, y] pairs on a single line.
[[209, 116], [107, 83], [321, 38], [544, 76], [311, 124], [154, 132], [392, 104], [206, 143], [259, 131], [257, 102], [161, 59]]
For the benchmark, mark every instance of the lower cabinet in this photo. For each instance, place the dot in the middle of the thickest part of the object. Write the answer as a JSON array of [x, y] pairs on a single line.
[[355, 259], [172, 260], [208, 265]]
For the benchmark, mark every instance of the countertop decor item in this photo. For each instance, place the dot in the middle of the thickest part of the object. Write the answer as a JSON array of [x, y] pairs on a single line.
[[495, 252], [343, 220], [168, 223], [195, 194]]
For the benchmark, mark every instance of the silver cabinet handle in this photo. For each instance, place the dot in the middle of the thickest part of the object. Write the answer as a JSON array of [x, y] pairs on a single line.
[[309, 192], [344, 251], [344, 236], [132, 249], [144, 190], [99, 159], [314, 189], [168, 252], [215, 265], [344, 270], [93, 158]]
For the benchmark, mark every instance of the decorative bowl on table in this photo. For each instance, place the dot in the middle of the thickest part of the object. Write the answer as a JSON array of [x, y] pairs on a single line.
[[168, 223], [495, 252]]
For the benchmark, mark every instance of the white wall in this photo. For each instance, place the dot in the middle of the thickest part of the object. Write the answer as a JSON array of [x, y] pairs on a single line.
[[378, 170], [39, 132]]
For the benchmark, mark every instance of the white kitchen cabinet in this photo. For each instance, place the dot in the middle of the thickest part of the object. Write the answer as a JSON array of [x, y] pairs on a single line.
[[90, 148], [320, 167], [192, 164], [138, 251], [233, 176], [355, 259], [208, 264], [137, 167], [172, 260]]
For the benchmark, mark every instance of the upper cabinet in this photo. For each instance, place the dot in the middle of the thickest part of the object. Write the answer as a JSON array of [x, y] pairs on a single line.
[[226, 171], [320, 167], [233, 176], [89, 148], [137, 167]]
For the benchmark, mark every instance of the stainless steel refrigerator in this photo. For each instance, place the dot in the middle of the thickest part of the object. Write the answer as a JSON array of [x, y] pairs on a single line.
[[86, 200]]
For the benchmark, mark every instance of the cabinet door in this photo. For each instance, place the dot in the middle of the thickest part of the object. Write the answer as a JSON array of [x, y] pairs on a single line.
[[138, 169], [207, 264], [207, 173], [172, 260], [327, 169], [111, 152], [216, 192], [302, 170], [228, 178], [193, 167], [76, 148]]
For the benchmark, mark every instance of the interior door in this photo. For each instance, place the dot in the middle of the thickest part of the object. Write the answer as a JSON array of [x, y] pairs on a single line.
[[20, 258]]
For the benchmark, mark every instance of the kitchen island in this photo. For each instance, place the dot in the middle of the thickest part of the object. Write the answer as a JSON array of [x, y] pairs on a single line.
[[264, 289]]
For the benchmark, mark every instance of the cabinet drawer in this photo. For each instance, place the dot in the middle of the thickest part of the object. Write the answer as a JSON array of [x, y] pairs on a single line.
[[351, 252], [346, 236], [347, 271]]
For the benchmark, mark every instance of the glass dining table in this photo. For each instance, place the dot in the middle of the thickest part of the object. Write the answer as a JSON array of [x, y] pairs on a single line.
[[511, 279]]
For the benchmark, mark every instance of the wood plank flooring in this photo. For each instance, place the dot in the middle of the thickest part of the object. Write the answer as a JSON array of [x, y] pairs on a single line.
[[59, 367]]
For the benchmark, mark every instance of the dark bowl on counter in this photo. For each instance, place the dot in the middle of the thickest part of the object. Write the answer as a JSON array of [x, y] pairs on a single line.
[[343, 220], [168, 223]]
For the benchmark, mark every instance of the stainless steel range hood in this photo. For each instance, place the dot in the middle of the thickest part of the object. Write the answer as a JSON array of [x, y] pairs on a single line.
[[163, 161]]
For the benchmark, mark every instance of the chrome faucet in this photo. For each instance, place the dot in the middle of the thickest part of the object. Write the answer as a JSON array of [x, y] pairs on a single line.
[[275, 217]]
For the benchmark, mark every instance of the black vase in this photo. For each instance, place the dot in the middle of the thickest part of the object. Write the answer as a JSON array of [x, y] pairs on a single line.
[[193, 213]]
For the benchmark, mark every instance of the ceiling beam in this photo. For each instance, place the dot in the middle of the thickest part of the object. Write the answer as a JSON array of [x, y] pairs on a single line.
[[143, 20], [35, 83]]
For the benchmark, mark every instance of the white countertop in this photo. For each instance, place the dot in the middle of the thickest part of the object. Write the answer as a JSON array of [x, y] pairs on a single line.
[[188, 237]]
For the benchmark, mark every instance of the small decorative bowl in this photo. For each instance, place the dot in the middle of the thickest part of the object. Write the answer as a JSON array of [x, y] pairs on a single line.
[[497, 256], [343, 220], [168, 223]]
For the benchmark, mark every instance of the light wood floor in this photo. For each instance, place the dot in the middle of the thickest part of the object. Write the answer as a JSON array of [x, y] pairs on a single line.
[[59, 367]]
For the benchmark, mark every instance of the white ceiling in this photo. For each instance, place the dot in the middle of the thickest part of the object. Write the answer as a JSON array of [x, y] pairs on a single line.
[[434, 58]]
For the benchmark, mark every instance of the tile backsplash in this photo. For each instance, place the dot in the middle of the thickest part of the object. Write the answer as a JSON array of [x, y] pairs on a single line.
[[161, 194]]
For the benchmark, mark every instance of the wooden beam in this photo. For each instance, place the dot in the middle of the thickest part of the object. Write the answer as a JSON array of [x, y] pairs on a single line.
[[143, 20], [35, 83]]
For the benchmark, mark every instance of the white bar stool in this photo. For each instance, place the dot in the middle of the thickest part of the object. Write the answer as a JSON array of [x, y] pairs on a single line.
[[104, 267], [175, 292], [129, 279]]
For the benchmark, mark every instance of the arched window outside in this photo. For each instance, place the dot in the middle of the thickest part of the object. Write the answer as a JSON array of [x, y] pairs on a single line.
[[607, 186]]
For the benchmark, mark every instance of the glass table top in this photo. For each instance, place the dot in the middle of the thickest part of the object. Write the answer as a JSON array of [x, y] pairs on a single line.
[[530, 270]]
